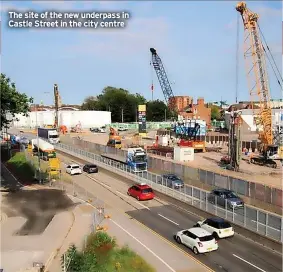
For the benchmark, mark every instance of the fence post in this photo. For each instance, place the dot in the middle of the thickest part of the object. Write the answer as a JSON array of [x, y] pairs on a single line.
[[245, 213], [257, 220], [266, 224]]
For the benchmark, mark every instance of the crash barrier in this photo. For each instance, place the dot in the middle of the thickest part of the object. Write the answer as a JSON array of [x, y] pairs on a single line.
[[253, 190], [262, 222]]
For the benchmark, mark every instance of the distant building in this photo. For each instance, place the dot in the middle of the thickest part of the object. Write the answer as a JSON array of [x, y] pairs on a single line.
[[274, 104], [187, 108], [35, 107]]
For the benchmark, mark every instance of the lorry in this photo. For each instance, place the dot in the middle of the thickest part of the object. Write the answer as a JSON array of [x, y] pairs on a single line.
[[51, 135], [45, 149], [136, 159]]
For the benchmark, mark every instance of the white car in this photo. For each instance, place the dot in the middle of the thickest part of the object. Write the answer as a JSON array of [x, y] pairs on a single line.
[[197, 239], [218, 227], [73, 169]]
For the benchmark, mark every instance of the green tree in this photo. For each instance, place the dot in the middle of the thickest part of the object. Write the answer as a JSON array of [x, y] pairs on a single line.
[[215, 112], [12, 102], [157, 111], [119, 101]]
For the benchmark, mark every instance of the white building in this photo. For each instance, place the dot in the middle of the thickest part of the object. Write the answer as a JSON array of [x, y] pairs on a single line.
[[249, 119], [69, 118]]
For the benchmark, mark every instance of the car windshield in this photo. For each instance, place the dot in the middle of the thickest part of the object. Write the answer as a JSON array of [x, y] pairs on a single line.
[[75, 167], [146, 191], [231, 195], [118, 142], [53, 136], [206, 238], [91, 166], [224, 225]]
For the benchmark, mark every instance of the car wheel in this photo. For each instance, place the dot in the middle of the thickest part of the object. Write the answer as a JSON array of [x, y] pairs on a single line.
[[195, 250], [215, 235], [178, 240]]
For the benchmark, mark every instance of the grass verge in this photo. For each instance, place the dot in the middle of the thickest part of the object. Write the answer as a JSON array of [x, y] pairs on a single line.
[[101, 253]]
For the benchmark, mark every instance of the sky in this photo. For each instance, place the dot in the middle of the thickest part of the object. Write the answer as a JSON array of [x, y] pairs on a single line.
[[196, 40]]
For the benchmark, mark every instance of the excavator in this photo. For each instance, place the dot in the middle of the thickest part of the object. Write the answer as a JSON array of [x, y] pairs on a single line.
[[254, 54], [115, 139]]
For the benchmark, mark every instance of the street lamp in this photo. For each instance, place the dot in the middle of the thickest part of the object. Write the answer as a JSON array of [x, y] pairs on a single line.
[[37, 139]]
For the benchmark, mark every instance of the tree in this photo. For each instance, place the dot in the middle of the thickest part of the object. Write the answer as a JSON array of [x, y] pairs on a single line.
[[157, 111], [12, 102], [215, 112], [120, 102]]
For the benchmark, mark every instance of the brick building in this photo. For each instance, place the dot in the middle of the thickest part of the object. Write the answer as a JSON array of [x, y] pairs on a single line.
[[188, 109]]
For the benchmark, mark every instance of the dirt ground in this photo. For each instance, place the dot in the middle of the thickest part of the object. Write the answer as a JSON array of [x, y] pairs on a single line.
[[208, 161], [37, 206]]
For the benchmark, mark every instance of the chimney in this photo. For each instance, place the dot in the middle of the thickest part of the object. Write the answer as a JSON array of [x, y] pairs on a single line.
[[200, 101]]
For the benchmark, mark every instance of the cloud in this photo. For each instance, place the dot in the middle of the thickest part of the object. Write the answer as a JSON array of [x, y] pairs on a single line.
[[140, 34]]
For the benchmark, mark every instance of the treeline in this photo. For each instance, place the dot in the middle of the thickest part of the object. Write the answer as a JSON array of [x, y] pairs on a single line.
[[124, 105]]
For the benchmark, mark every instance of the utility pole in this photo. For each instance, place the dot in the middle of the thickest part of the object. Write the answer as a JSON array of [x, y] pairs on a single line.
[[38, 152], [122, 115], [165, 115]]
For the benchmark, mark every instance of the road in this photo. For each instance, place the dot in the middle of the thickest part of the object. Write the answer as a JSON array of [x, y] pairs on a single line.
[[234, 254], [254, 220]]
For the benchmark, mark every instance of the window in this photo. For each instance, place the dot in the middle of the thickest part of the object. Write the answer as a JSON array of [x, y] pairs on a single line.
[[136, 188], [216, 193], [191, 235], [75, 167], [206, 238], [147, 190], [223, 225], [213, 224]]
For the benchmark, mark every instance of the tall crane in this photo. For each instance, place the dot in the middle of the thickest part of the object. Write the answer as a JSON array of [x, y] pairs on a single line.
[[188, 138], [163, 79], [254, 54]]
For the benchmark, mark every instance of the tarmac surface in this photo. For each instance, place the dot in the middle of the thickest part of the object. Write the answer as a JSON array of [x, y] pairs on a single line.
[[234, 254]]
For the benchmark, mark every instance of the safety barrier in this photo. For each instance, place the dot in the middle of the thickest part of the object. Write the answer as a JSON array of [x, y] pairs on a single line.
[[259, 221], [243, 187]]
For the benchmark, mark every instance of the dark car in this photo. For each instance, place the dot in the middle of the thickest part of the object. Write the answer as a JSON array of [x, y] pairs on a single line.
[[172, 181], [223, 196], [90, 168]]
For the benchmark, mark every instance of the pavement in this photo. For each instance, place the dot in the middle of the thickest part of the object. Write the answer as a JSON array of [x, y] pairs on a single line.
[[163, 219]]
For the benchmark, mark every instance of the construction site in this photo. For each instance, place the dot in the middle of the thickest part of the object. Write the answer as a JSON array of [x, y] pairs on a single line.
[[253, 152]]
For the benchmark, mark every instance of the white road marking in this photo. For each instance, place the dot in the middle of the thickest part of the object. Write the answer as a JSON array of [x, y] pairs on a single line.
[[101, 183], [265, 225], [249, 263], [134, 201], [168, 219], [147, 248]]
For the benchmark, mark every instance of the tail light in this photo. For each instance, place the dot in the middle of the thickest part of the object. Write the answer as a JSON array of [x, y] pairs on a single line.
[[199, 244]]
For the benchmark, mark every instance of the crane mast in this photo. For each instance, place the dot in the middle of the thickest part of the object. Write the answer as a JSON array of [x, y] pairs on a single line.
[[163, 79], [257, 72]]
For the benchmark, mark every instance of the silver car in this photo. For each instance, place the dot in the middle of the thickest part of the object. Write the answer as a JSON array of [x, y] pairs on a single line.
[[223, 196], [172, 181]]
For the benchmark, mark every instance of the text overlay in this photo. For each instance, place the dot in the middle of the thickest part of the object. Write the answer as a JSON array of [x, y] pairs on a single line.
[[53, 19]]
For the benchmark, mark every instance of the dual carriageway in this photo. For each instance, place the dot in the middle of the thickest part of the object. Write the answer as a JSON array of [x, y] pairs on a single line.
[[164, 219]]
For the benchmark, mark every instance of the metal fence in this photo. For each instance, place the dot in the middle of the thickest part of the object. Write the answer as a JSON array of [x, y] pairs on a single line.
[[262, 222], [253, 190]]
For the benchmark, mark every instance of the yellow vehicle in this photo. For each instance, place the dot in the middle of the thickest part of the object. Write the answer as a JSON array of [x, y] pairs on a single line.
[[114, 139]]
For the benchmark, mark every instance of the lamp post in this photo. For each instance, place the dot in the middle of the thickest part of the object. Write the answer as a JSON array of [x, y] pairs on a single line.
[[37, 139]]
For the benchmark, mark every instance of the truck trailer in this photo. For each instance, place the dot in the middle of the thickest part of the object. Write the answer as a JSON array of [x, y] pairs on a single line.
[[136, 159], [46, 150], [50, 135]]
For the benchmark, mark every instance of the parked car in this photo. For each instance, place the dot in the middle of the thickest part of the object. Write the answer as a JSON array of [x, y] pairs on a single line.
[[90, 168], [122, 129], [141, 192], [197, 239], [223, 196], [73, 169], [218, 227], [97, 130], [172, 181]]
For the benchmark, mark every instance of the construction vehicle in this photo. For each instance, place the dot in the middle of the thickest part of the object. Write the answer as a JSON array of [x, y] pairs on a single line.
[[49, 134], [45, 149], [255, 52], [187, 138], [115, 139], [77, 128], [136, 159]]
